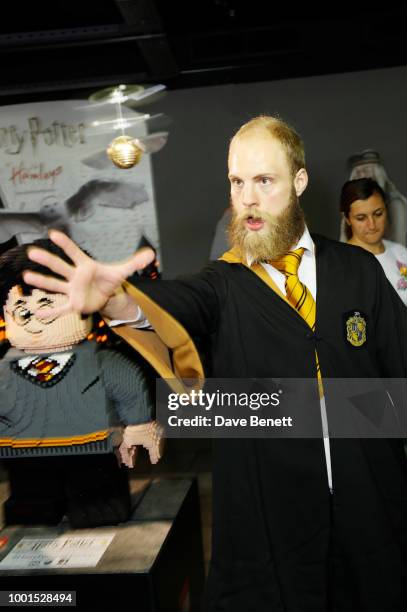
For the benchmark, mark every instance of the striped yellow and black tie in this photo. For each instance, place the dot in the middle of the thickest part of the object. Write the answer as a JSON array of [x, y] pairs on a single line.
[[298, 294]]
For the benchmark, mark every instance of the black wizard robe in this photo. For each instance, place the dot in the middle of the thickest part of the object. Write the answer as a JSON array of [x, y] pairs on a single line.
[[281, 540]]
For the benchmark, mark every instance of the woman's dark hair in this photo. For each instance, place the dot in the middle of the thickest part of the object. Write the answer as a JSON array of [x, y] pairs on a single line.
[[14, 261], [358, 189]]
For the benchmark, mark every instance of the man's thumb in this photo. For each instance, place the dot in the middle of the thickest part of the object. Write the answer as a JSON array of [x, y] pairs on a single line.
[[139, 261]]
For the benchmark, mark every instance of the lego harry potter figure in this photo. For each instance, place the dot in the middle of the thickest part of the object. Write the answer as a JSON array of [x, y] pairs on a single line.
[[64, 404]]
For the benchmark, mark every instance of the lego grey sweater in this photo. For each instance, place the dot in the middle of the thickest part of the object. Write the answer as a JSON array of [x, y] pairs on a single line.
[[73, 413]]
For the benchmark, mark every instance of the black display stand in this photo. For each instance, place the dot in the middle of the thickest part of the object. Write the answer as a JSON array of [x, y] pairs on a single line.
[[154, 563]]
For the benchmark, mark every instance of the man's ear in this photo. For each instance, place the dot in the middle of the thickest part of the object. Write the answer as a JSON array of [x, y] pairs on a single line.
[[300, 181]]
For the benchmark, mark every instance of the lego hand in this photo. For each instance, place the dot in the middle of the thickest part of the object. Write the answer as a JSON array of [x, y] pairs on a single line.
[[150, 435], [127, 455], [89, 285]]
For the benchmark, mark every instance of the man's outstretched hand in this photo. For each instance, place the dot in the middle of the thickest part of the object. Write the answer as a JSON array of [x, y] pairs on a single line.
[[89, 285]]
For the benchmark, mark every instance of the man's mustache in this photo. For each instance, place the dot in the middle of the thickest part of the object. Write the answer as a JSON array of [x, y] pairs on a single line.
[[254, 214]]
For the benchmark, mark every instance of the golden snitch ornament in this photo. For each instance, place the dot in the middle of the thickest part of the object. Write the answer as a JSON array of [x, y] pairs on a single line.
[[125, 151]]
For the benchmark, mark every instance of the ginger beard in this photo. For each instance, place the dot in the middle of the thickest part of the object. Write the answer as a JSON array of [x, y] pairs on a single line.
[[278, 235]]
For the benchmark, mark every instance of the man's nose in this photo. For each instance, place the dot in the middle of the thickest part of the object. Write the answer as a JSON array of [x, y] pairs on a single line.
[[249, 195]]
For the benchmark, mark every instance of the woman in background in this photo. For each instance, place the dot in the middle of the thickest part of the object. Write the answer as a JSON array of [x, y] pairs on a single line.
[[363, 204]]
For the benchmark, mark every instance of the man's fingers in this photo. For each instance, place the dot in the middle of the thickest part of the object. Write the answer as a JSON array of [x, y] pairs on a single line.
[[48, 283], [68, 246], [140, 260], [54, 263]]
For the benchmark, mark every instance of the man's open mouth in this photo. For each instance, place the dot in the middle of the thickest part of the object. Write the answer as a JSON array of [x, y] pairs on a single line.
[[254, 223]]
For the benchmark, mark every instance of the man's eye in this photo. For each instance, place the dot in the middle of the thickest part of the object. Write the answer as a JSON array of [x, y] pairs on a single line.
[[237, 182], [266, 180]]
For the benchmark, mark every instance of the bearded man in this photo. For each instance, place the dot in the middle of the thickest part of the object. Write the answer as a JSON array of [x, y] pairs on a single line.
[[299, 525]]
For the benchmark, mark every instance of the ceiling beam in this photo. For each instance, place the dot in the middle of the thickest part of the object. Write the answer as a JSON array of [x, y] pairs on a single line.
[[156, 52]]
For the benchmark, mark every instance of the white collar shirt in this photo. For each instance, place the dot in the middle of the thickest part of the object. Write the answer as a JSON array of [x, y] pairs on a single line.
[[307, 268]]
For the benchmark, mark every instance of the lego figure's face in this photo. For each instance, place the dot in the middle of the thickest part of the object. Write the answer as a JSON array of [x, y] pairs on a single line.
[[30, 333]]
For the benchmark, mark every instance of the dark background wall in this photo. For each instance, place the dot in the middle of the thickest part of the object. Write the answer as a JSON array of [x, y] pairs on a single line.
[[336, 115]]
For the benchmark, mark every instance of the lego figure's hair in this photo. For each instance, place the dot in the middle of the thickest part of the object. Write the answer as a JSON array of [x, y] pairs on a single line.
[[14, 261]]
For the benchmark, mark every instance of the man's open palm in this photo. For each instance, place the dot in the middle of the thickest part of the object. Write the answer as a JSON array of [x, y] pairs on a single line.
[[87, 283]]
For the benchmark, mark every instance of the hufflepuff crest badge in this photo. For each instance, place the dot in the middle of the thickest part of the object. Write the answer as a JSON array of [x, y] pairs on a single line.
[[355, 328]]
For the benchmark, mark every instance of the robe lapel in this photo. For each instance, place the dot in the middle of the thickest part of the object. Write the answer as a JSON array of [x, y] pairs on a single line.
[[323, 278], [232, 257]]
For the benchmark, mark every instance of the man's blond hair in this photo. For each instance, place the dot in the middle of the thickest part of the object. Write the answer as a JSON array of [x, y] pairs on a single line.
[[281, 131]]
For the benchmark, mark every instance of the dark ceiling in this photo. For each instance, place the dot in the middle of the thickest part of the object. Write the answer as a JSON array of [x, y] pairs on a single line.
[[78, 46]]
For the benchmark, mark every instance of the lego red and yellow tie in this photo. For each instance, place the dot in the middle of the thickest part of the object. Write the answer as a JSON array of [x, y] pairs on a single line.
[[44, 368]]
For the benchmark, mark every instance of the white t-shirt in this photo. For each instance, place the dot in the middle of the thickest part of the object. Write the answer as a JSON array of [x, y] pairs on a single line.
[[394, 264]]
